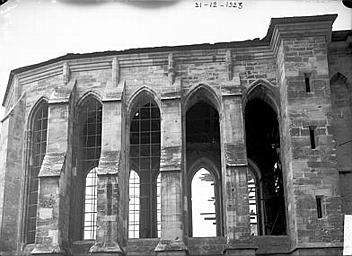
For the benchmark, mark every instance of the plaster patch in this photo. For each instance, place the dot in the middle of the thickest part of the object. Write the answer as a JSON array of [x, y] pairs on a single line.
[[45, 213]]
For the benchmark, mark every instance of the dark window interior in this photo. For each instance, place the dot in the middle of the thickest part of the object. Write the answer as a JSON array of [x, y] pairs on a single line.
[[263, 147], [254, 205], [203, 140], [312, 136], [307, 82], [202, 124], [319, 206]]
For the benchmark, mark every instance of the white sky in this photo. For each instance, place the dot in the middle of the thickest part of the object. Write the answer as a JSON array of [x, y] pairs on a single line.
[[33, 31], [202, 205]]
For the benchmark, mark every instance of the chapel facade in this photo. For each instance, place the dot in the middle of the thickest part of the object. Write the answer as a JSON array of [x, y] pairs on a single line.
[[238, 148]]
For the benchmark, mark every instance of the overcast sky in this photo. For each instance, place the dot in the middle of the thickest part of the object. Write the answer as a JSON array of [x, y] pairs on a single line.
[[33, 31]]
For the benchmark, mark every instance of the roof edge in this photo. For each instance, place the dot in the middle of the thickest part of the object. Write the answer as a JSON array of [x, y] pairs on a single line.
[[250, 43], [297, 19]]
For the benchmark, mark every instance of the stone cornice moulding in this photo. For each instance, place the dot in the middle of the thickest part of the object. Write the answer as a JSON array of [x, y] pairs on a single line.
[[44, 72], [66, 72], [115, 72], [305, 25], [315, 26]]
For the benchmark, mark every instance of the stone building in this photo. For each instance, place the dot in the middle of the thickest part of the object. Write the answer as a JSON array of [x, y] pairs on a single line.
[[116, 153]]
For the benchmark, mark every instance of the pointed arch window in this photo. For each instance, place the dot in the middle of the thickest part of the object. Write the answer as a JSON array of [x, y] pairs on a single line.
[[86, 180], [254, 203], [144, 160], [263, 148], [134, 204], [158, 204], [203, 159], [38, 145], [203, 190], [90, 205]]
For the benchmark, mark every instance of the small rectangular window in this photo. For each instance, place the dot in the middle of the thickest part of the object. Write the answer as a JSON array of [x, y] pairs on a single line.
[[307, 81], [312, 136], [319, 206]]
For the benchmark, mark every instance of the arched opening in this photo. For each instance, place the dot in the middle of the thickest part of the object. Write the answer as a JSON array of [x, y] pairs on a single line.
[[263, 147], [255, 199], [253, 203], [203, 142], [39, 126], [90, 205], [134, 205], [203, 204], [144, 160], [158, 204], [86, 152]]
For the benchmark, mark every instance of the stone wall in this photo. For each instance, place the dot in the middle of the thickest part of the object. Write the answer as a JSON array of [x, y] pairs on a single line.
[[225, 75]]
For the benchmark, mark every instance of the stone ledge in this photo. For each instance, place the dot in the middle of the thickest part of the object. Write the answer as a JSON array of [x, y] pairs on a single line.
[[53, 164], [105, 249], [171, 245], [52, 251]]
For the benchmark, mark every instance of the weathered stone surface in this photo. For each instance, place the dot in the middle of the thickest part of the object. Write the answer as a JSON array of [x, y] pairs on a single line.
[[226, 76]]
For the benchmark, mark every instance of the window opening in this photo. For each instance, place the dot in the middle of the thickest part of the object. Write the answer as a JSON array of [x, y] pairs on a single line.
[[90, 117], [253, 204], [307, 81], [158, 204], [203, 141], [145, 161], [133, 217], [263, 148], [90, 205], [319, 206], [312, 136], [203, 204], [202, 124], [39, 140]]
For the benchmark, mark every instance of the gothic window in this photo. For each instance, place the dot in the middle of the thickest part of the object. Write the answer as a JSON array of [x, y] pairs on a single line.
[[133, 226], [203, 204], [254, 200], [203, 159], [87, 148], [134, 204], [90, 205], [263, 148], [144, 160], [37, 153], [158, 204]]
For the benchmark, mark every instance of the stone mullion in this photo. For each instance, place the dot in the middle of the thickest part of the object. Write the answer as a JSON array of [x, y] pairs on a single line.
[[172, 227], [108, 200], [235, 199]]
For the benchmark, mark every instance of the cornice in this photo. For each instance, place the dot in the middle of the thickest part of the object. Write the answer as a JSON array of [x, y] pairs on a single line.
[[256, 49], [303, 27]]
